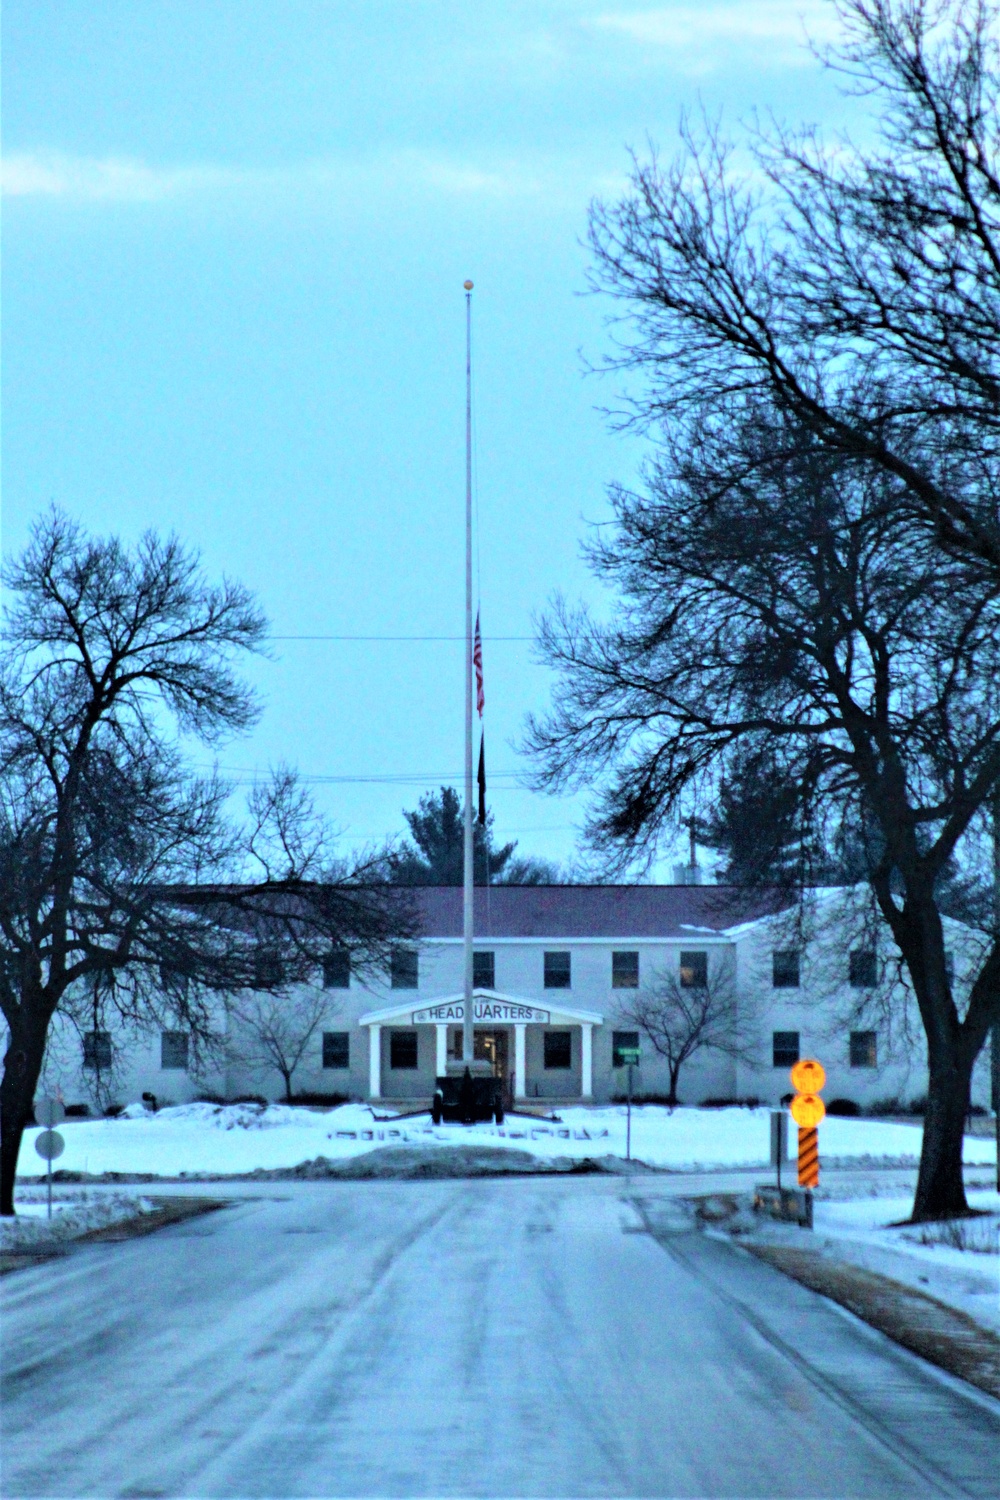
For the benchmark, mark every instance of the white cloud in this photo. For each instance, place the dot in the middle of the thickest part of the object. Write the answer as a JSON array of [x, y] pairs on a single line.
[[773, 29], [29, 174], [76, 179]]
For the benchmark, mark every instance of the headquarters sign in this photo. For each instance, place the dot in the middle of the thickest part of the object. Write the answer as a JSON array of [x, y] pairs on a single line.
[[500, 1012]]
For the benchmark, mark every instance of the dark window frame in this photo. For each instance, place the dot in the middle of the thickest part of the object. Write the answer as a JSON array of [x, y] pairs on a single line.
[[785, 1052], [625, 969], [179, 1040], [862, 970], [337, 1050], [337, 969], [484, 971], [404, 1051], [786, 969], [557, 975], [620, 1039], [558, 1041], [404, 969], [693, 962], [97, 1052], [864, 1049]]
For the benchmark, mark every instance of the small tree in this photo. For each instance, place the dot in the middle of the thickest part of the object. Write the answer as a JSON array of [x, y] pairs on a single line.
[[274, 1031], [680, 1020]]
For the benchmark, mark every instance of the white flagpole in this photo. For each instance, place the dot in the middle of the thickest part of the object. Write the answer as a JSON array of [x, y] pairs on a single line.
[[468, 1022]]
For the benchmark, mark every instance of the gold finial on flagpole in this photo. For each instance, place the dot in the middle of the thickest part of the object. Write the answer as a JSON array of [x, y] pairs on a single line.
[[467, 285]]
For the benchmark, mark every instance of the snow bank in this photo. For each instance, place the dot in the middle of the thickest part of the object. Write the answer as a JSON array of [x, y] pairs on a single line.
[[33, 1230], [209, 1139]]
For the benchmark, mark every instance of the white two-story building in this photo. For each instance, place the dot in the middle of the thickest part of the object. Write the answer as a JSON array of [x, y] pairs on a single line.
[[557, 971]]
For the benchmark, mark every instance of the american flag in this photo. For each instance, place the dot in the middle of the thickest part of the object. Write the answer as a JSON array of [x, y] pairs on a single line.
[[477, 658]]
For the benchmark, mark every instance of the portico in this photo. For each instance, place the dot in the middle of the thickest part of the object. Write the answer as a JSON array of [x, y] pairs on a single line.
[[494, 1013]]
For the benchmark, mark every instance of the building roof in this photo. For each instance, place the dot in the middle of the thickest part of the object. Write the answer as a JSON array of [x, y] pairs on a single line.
[[594, 911]]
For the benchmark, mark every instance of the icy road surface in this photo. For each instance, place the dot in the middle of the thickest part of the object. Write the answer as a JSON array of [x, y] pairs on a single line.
[[522, 1337]]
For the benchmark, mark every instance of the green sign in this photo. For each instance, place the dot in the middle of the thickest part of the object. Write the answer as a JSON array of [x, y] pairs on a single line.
[[627, 1055]]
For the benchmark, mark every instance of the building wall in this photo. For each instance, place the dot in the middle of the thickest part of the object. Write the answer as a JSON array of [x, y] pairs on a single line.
[[824, 1009]]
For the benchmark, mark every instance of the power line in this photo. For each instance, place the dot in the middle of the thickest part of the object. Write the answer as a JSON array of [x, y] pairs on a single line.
[[491, 639]]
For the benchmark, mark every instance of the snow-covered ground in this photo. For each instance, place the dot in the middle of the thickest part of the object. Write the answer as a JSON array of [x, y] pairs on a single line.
[[206, 1139], [863, 1230], [73, 1214]]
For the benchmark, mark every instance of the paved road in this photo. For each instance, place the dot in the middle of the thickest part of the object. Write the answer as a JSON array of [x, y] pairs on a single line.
[[522, 1338]]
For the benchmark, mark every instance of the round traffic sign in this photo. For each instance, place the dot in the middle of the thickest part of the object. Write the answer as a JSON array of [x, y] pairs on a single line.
[[50, 1144], [807, 1110], [808, 1076], [49, 1112]]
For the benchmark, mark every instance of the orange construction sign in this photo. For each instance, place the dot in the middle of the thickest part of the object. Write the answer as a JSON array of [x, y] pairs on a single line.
[[808, 1076], [807, 1110], [808, 1158]]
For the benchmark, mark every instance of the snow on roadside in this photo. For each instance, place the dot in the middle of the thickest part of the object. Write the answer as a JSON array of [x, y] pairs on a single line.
[[868, 1232], [33, 1230], [209, 1139]]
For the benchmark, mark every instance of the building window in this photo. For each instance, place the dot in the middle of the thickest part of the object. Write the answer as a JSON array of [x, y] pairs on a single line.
[[557, 977], [337, 1049], [622, 1041], [404, 972], [785, 969], [173, 1049], [624, 971], [863, 970], [483, 971], [267, 968], [694, 971], [785, 1049], [864, 1049], [97, 1049], [402, 1049], [558, 1048], [337, 969]]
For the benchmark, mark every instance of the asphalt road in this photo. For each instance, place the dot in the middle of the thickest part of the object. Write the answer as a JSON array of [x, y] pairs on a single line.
[[528, 1337]]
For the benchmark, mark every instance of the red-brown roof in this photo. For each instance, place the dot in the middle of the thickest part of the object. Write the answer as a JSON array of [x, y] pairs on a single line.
[[593, 911]]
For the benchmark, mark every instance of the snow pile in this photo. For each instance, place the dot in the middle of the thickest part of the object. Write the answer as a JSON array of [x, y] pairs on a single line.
[[210, 1139], [33, 1230]]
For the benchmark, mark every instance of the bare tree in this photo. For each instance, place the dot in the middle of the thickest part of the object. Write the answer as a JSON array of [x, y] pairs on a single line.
[[857, 294], [275, 1031], [681, 1020], [801, 621], [808, 584], [124, 884]]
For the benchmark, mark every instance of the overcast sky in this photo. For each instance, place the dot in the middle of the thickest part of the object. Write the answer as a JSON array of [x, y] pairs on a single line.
[[235, 234]]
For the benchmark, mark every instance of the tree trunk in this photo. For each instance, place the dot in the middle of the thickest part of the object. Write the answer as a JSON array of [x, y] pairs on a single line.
[[22, 1065], [940, 1183], [672, 1095]]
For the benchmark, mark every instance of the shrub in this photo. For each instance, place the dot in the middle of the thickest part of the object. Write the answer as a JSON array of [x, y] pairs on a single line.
[[843, 1107], [113, 1111], [311, 1097], [721, 1101], [77, 1111], [888, 1106], [917, 1106]]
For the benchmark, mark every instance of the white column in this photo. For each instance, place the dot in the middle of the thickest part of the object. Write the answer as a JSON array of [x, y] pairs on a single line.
[[441, 1055], [586, 1061], [374, 1062], [520, 1084]]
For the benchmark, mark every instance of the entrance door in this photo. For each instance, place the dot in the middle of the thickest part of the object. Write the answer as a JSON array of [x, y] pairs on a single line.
[[492, 1046]]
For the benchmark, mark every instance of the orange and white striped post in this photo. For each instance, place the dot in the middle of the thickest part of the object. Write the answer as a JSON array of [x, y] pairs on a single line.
[[808, 1109]]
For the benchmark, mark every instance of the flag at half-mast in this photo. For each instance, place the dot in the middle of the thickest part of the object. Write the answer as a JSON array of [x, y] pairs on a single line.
[[477, 660]]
